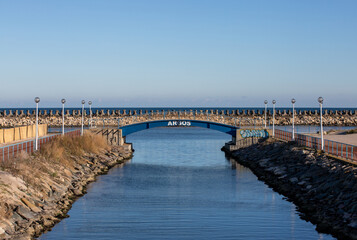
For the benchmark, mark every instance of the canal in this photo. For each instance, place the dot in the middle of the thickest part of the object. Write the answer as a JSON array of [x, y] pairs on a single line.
[[179, 185]]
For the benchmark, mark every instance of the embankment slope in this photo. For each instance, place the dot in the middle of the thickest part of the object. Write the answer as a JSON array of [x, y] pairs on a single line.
[[36, 191]]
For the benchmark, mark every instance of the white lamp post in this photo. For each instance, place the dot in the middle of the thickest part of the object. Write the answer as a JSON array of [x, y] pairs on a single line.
[[90, 112], [293, 101], [37, 100], [265, 114], [273, 117], [83, 102], [63, 101], [321, 100]]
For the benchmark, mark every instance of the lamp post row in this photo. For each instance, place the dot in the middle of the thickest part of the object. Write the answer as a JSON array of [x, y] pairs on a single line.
[[293, 101], [63, 101]]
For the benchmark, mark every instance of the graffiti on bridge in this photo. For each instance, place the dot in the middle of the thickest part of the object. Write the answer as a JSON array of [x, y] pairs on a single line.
[[246, 133]]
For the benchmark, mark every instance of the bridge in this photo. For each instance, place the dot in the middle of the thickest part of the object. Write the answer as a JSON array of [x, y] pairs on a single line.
[[132, 128], [133, 124], [118, 135]]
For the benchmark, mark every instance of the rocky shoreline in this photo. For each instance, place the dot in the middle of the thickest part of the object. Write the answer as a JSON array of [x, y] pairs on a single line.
[[324, 189], [31, 216]]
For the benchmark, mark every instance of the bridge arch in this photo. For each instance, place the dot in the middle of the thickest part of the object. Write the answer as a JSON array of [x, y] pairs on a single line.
[[136, 127]]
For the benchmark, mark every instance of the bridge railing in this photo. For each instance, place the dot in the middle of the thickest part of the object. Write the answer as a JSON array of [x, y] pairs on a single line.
[[8, 152], [338, 149]]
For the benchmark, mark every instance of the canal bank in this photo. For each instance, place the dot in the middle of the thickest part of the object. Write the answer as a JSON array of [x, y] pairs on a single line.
[[324, 189], [38, 190]]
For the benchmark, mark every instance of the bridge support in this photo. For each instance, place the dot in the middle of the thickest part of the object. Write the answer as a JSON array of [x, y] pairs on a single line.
[[113, 136], [121, 139]]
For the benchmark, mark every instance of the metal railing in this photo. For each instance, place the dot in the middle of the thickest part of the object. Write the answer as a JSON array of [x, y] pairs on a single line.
[[8, 152], [334, 148]]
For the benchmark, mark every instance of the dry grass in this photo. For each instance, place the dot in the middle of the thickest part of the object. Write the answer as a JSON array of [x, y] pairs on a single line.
[[62, 149], [60, 153]]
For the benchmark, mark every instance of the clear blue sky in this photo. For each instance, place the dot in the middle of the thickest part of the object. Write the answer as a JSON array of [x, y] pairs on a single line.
[[178, 52]]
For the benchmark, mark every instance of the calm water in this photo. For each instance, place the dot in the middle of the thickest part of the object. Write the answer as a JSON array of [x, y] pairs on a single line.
[[180, 186]]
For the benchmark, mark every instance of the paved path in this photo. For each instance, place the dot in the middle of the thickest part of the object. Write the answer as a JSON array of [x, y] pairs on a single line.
[[24, 140], [340, 137]]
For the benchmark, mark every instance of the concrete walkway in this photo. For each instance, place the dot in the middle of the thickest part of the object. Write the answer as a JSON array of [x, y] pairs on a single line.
[[340, 137], [24, 140]]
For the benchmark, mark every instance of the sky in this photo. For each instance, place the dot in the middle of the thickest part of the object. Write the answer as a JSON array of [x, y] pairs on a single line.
[[178, 53]]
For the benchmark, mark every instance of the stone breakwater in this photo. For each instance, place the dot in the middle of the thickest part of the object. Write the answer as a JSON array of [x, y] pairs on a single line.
[[74, 120], [23, 215], [323, 189]]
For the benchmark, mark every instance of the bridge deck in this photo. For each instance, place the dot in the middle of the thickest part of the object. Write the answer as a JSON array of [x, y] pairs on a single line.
[[128, 129]]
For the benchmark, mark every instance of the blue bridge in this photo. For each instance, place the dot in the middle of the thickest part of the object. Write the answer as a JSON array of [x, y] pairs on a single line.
[[135, 124], [132, 128]]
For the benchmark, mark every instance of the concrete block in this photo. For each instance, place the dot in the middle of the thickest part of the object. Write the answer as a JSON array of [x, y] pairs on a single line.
[[121, 139], [17, 134], [42, 130], [1, 136], [23, 132], [31, 131], [9, 134]]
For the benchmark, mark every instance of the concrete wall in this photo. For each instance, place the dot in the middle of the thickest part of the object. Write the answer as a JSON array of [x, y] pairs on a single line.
[[268, 132], [23, 132], [8, 135]]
